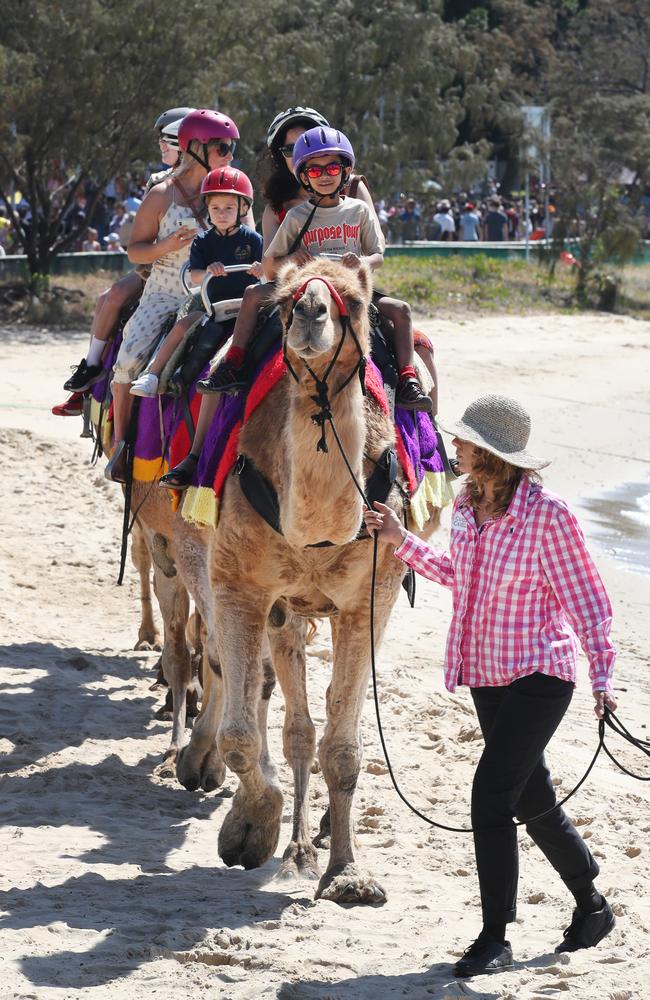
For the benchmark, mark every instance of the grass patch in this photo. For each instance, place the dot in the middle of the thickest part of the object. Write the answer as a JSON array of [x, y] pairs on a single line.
[[481, 284], [434, 286]]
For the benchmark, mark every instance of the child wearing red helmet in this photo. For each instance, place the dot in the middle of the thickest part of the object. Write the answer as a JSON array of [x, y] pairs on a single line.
[[228, 195]]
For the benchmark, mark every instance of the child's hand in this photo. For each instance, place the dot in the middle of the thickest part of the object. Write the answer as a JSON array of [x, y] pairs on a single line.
[[351, 260], [217, 270], [386, 523], [256, 269]]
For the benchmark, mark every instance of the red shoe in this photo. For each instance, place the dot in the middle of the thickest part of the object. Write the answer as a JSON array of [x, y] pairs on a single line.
[[73, 406]]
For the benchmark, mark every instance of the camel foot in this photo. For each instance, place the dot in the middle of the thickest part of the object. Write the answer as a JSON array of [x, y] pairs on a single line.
[[345, 884], [322, 838], [167, 769], [149, 642], [207, 772], [250, 832], [298, 861]]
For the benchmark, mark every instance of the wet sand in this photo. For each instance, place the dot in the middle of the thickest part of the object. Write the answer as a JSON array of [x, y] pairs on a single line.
[[619, 520]]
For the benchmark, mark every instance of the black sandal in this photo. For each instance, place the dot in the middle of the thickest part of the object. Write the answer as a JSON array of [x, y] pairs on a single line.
[[181, 476]]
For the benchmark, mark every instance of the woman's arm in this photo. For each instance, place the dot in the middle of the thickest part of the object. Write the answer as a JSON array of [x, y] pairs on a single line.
[[431, 563], [144, 246], [270, 226], [577, 584]]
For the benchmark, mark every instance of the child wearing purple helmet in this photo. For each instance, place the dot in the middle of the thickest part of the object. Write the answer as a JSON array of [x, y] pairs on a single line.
[[327, 222]]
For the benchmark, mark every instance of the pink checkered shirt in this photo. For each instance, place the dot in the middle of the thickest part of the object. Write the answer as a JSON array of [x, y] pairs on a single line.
[[523, 586]]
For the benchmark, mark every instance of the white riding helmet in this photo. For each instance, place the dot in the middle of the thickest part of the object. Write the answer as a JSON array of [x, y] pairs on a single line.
[[285, 118], [170, 133]]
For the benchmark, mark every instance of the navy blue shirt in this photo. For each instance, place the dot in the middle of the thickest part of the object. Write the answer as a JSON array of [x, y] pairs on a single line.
[[242, 247]]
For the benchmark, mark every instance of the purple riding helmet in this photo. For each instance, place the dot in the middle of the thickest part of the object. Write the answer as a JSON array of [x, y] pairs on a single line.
[[320, 142]]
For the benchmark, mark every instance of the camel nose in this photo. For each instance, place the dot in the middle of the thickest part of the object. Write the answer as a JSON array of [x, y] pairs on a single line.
[[314, 310]]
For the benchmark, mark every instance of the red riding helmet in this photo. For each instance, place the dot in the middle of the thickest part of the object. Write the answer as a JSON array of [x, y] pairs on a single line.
[[228, 180], [204, 125]]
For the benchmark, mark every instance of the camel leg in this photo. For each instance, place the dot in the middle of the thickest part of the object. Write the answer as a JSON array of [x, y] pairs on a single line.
[[200, 764], [287, 639], [176, 661], [340, 755], [250, 832], [148, 636]]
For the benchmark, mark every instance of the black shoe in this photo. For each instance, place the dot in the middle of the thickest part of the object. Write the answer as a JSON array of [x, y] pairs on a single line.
[[485, 955], [587, 929], [182, 475], [84, 376], [411, 396], [225, 378]]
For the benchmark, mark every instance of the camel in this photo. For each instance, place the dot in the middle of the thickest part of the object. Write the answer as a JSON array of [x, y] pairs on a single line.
[[257, 576]]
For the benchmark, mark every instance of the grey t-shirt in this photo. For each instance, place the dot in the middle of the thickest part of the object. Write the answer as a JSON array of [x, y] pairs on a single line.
[[349, 227]]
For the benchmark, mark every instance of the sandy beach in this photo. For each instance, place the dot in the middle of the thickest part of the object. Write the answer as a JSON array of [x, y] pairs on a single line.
[[112, 885]]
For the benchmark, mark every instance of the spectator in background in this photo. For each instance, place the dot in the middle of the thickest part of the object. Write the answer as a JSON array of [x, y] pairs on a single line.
[[126, 227], [410, 220], [113, 244], [513, 221], [91, 244], [495, 223], [132, 203], [119, 214], [443, 222], [470, 223]]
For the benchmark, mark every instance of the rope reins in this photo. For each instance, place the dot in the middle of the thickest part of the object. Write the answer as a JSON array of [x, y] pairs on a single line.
[[322, 418]]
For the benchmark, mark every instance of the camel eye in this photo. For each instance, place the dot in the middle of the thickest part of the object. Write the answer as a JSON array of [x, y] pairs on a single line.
[[354, 307]]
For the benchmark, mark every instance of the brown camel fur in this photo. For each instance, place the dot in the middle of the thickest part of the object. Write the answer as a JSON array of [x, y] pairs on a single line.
[[256, 572]]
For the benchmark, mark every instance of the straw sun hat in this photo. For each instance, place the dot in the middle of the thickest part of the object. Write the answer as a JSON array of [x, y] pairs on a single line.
[[500, 425]]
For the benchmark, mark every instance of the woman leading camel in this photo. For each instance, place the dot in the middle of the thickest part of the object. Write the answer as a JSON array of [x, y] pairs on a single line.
[[162, 235], [523, 583]]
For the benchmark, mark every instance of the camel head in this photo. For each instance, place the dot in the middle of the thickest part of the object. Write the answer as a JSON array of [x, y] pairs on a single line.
[[312, 320]]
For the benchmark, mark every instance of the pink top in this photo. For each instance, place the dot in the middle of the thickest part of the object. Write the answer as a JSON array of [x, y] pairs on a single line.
[[523, 586]]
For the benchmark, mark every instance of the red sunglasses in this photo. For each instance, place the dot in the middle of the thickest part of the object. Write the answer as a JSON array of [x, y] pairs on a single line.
[[317, 170]]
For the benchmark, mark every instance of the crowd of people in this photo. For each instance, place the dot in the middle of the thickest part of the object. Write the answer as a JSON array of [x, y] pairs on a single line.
[[467, 217]]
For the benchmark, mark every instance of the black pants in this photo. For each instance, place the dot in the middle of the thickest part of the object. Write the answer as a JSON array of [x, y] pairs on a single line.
[[512, 779]]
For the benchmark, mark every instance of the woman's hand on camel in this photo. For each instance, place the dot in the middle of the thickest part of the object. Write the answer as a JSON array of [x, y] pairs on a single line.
[[217, 270], [603, 700], [386, 523], [256, 269], [179, 239]]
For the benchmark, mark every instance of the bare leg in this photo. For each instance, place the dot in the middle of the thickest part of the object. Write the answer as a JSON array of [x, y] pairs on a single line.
[[427, 357], [255, 296], [171, 342], [111, 302], [122, 406], [187, 466], [399, 314]]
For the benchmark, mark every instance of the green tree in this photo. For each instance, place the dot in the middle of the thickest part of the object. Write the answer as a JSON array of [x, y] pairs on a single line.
[[81, 87]]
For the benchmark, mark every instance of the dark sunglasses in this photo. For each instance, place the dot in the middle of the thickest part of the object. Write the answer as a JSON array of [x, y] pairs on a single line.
[[331, 169], [223, 148], [288, 149]]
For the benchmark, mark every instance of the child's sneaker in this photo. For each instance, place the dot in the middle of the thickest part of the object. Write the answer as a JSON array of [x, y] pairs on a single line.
[[84, 375], [73, 406], [146, 385], [410, 395], [225, 378]]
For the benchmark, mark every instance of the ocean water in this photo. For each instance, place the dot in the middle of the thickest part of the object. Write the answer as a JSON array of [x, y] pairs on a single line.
[[619, 520]]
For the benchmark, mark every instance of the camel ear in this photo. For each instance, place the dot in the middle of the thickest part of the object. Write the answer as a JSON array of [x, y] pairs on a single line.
[[365, 280], [285, 276]]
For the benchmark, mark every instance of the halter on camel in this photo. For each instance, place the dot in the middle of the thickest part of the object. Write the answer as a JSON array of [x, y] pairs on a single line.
[[322, 397]]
